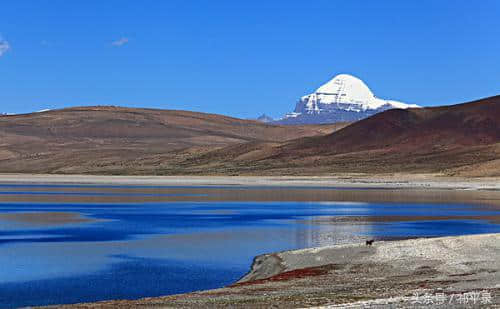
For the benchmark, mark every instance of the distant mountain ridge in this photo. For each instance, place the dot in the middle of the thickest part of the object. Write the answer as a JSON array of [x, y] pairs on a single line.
[[265, 118], [344, 98]]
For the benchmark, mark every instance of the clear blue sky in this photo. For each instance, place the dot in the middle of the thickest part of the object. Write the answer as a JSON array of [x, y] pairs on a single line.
[[242, 58]]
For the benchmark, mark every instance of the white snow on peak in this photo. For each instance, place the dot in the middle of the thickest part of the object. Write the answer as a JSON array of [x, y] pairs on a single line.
[[348, 93], [345, 84]]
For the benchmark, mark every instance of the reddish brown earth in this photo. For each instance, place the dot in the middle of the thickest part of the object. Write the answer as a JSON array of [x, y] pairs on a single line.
[[290, 275]]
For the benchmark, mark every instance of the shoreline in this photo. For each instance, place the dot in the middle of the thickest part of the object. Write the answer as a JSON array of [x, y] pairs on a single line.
[[379, 181], [389, 273]]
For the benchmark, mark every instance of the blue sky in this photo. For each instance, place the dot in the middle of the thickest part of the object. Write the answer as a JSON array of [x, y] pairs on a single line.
[[242, 58]]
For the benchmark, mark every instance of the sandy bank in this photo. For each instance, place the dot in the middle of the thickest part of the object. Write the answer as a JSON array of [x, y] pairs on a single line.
[[409, 181], [357, 276]]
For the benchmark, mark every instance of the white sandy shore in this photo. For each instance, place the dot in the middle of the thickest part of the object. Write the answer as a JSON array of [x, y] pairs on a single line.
[[403, 181]]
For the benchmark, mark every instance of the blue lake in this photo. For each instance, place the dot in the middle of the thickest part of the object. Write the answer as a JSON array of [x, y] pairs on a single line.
[[68, 252]]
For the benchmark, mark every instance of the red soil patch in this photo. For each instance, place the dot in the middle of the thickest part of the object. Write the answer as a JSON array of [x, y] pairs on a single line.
[[288, 275]]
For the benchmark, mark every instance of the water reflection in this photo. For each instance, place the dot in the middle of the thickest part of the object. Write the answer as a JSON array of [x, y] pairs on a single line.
[[313, 235]]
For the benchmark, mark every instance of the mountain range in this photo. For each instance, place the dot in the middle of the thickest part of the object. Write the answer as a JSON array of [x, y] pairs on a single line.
[[461, 139]]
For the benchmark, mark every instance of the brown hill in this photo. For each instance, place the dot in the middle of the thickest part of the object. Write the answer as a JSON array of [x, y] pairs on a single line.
[[462, 138], [119, 140]]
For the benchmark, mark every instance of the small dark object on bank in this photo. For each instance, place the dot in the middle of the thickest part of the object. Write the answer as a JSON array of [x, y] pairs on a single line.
[[370, 242]]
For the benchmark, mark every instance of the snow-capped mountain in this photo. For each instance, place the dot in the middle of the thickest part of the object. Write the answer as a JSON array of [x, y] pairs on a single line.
[[344, 98], [265, 118]]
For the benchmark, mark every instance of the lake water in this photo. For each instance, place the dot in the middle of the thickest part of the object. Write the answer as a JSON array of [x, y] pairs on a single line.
[[77, 243]]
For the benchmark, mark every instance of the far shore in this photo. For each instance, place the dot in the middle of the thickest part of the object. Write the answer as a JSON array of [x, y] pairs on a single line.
[[391, 181]]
